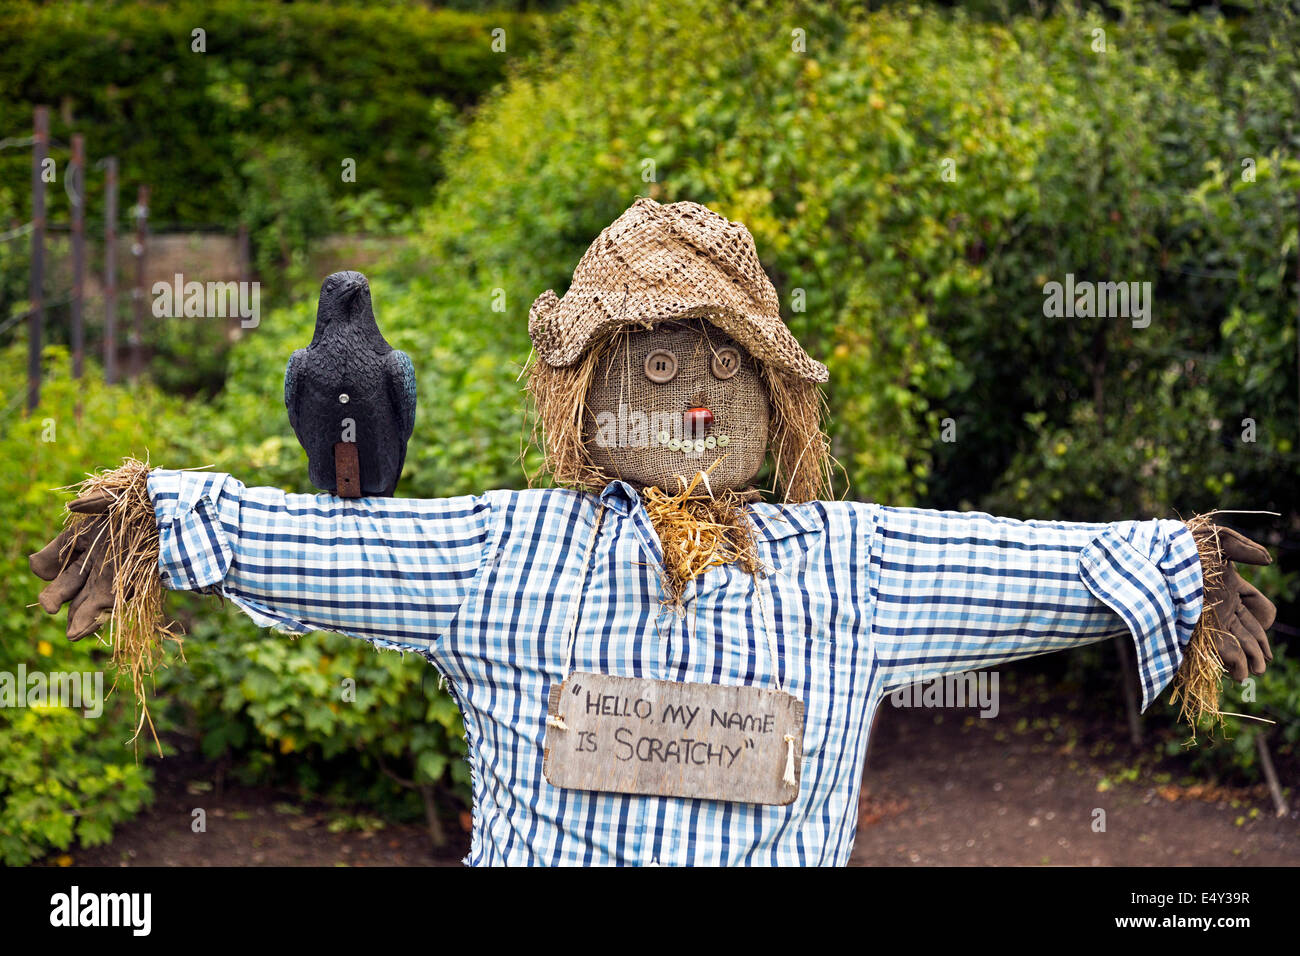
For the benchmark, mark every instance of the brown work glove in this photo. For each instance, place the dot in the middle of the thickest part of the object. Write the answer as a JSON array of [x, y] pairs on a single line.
[[77, 566], [1241, 612]]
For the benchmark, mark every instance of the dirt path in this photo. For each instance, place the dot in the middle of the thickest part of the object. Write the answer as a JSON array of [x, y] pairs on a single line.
[[957, 790], [939, 789], [257, 826]]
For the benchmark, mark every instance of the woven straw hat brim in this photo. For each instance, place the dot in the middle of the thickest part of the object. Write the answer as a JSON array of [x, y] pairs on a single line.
[[657, 263]]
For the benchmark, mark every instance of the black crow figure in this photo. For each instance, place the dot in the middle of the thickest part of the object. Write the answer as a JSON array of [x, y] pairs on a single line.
[[351, 395]]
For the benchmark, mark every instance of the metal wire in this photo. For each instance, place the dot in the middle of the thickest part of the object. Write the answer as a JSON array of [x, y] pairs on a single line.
[[17, 231], [13, 320]]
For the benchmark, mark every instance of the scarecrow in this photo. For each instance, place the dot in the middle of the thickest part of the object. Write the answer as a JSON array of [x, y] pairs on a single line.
[[654, 663]]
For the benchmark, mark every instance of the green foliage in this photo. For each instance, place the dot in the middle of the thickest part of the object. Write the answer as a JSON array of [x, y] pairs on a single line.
[[340, 716], [368, 82], [63, 781], [285, 205], [1197, 197], [64, 777], [15, 260]]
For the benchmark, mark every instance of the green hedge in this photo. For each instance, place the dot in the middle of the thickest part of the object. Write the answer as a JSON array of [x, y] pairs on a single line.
[[377, 84]]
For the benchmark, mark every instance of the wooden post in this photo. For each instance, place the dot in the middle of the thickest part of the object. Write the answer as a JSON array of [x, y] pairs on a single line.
[[235, 326], [77, 191], [1129, 676], [141, 238], [36, 318], [245, 263], [1270, 775], [110, 270]]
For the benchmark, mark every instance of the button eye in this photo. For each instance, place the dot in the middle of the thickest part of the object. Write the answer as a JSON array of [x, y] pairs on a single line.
[[660, 366], [725, 363]]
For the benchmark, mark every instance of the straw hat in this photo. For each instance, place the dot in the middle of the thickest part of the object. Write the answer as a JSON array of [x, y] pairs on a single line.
[[679, 261]]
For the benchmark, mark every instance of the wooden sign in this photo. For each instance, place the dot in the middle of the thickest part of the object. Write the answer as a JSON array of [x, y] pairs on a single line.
[[632, 735]]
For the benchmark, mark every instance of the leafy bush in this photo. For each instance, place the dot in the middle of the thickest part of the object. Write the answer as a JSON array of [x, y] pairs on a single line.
[[327, 713], [63, 776], [285, 208]]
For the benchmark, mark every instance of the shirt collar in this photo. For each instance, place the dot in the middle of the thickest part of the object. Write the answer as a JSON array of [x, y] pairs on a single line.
[[772, 522], [620, 498]]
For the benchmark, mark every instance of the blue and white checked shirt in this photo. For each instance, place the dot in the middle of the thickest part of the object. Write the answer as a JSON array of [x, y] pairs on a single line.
[[865, 599]]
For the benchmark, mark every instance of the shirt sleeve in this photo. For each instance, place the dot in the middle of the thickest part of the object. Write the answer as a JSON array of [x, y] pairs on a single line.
[[393, 571], [956, 591]]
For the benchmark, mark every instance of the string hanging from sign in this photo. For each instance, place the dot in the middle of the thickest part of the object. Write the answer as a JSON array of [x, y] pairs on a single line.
[[769, 631], [769, 628], [788, 777], [572, 628]]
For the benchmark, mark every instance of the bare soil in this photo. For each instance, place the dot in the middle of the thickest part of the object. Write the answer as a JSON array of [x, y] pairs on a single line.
[[954, 790], [940, 788]]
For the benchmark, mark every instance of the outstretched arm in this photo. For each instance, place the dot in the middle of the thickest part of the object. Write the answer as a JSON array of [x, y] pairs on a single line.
[[388, 570], [957, 591]]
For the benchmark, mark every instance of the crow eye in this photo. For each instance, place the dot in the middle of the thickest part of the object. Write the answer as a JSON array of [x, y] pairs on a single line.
[[660, 366]]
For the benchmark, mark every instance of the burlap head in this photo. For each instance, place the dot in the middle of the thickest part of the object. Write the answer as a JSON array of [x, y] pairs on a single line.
[[678, 261], [633, 427]]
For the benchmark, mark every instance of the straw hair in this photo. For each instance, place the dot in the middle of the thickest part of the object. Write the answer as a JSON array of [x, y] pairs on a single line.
[[676, 261], [137, 632], [1198, 685], [559, 399], [799, 449]]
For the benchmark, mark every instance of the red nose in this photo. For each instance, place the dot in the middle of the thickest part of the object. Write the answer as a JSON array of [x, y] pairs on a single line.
[[697, 419]]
